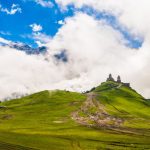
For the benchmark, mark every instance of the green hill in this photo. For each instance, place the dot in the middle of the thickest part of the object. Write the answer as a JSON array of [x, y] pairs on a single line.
[[110, 116], [124, 102]]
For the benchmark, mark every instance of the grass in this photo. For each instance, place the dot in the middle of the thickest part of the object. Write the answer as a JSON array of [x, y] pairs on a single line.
[[125, 103], [43, 121]]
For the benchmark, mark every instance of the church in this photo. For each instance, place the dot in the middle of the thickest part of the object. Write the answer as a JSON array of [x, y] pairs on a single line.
[[110, 78]]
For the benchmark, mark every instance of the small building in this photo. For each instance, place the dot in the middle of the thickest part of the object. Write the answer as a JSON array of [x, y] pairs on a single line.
[[126, 84]]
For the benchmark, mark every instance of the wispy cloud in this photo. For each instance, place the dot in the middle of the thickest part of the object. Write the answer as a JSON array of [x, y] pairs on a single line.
[[44, 3], [41, 39], [13, 10], [5, 33]]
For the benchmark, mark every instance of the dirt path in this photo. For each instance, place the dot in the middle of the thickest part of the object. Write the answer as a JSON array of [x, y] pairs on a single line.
[[93, 113]]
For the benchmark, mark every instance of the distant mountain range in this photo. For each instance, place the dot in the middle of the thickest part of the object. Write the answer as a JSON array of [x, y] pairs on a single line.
[[28, 49], [25, 47], [61, 56]]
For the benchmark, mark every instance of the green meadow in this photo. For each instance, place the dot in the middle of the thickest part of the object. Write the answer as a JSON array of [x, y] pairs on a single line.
[[43, 121]]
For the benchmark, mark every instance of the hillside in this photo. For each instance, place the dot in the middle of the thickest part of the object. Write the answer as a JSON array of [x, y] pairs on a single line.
[[110, 116]]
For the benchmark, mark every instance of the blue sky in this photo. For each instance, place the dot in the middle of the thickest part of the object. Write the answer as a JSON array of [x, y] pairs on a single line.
[[16, 27]]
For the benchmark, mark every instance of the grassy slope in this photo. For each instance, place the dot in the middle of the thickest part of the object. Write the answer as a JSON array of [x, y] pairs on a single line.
[[42, 121], [125, 103]]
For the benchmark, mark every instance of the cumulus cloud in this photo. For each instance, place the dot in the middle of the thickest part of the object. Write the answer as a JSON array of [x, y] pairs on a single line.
[[132, 15], [36, 28], [14, 9], [93, 48]]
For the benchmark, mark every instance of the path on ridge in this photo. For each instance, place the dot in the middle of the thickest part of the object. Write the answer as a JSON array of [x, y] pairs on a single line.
[[93, 113]]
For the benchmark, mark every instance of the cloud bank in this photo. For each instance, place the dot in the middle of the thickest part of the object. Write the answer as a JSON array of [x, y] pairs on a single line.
[[93, 48]]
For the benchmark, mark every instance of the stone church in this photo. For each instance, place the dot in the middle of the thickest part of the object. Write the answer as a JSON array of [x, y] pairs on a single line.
[[110, 78]]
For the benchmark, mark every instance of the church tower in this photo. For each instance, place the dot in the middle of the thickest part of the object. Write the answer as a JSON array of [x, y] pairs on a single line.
[[118, 79], [110, 78]]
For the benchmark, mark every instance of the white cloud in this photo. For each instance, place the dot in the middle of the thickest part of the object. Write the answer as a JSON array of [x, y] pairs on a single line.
[[35, 27], [133, 15], [45, 3], [21, 73], [14, 9], [94, 49]]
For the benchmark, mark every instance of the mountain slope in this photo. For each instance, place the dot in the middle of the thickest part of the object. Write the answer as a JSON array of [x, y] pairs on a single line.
[[126, 103], [111, 116]]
